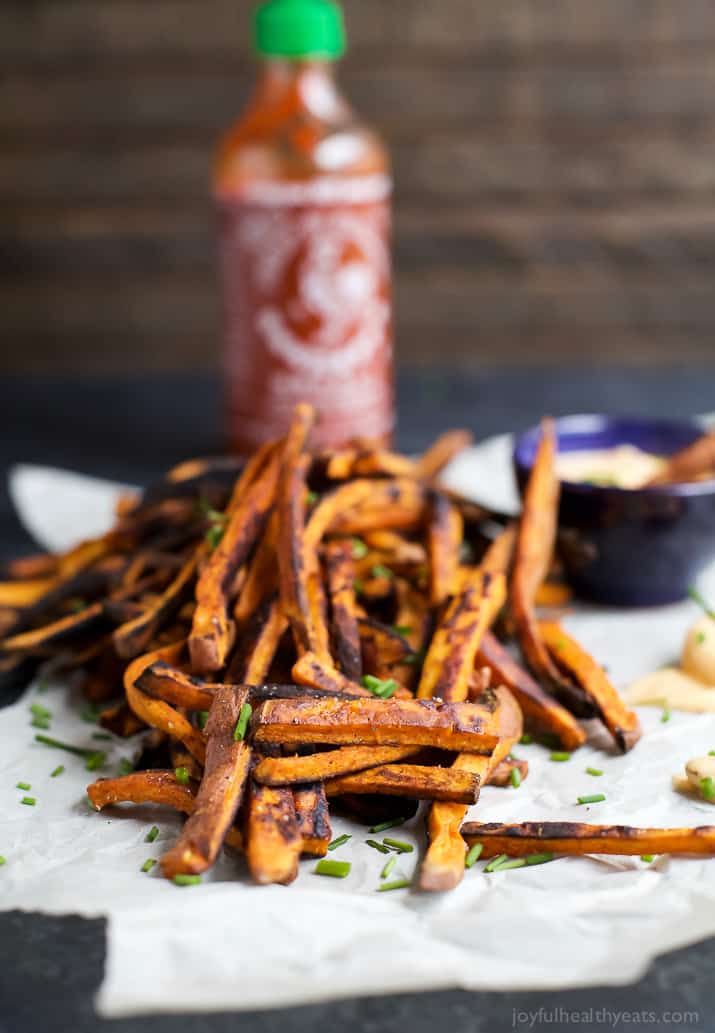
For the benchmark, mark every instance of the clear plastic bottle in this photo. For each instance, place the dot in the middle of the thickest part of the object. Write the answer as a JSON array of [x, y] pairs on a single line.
[[303, 191]]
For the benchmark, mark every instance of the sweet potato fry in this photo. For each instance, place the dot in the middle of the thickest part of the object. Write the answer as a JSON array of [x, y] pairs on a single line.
[[143, 787], [622, 723], [411, 780], [313, 819], [272, 841], [444, 538], [395, 548], [134, 637], [534, 551], [164, 681], [258, 644], [220, 791], [443, 865], [442, 452], [501, 775], [262, 576], [540, 709], [390, 722], [553, 594], [383, 648], [412, 614], [450, 657], [345, 637], [499, 555], [690, 464], [396, 504], [22, 593], [317, 767], [212, 631], [121, 721], [565, 837], [310, 670]]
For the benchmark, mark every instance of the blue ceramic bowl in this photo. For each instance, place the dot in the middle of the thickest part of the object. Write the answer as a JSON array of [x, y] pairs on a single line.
[[629, 547]]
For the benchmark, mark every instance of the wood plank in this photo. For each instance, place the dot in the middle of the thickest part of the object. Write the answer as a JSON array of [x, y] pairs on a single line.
[[95, 31]]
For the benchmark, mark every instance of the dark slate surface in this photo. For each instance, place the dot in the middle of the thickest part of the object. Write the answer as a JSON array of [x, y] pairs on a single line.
[[52, 966]]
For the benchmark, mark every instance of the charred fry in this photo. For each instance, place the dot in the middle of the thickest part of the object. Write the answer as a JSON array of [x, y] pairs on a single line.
[[565, 837], [444, 537], [272, 841], [316, 767], [411, 780], [312, 819]]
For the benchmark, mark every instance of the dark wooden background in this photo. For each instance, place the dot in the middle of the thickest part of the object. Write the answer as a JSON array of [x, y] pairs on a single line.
[[555, 167]]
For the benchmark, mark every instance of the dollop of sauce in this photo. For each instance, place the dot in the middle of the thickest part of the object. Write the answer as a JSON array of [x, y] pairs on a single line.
[[699, 778], [624, 466], [691, 686]]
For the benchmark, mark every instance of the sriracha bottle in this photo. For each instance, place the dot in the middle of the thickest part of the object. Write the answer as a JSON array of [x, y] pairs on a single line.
[[303, 191]]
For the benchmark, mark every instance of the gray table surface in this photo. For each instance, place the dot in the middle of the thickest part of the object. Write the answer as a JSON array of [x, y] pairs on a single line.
[[132, 430]]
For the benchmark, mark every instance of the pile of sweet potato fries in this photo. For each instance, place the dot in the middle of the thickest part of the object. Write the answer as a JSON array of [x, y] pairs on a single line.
[[315, 626]]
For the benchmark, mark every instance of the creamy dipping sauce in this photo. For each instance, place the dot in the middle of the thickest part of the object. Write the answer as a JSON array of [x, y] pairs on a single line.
[[624, 466], [689, 687]]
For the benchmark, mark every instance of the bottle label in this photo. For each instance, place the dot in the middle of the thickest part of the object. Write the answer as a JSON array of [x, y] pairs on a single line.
[[307, 307]]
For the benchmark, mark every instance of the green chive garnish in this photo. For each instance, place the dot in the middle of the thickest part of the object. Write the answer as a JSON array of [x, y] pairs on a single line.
[[244, 717], [358, 585], [707, 788], [401, 629], [339, 841], [525, 739], [151, 834], [79, 751], [711, 753], [90, 713], [539, 858], [700, 638], [596, 798], [59, 770], [336, 869], [23, 785], [3, 860], [186, 880], [702, 603], [29, 801], [125, 767], [398, 845], [95, 759], [377, 846], [560, 756], [389, 865], [384, 688], [37, 710], [202, 717], [214, 536], [182, 775], [665, 716], [473, 855], [596, 772], [495, 862], [385, 825], [647, 858], [148, 864], [311, 497], [396, 884], [515, 777], [380, 570], [515, 862], [360, 549], [41, 722]]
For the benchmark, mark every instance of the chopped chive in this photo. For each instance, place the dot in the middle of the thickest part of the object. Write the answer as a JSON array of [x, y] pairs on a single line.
[[398, 845], [700, 638], [389, 865], [380, 570], [525, 739], [665, 716], [401, 629], [336, 869], [3, 860], [182, 775], [29, 801], [148, 864], [91, 712], [208, 510], [37, 710], [214, 535], [186, 880], [59, 770], [596, 772], [539, 858], [244, 717], [125, 767], [41, 722], [711, 753], [23, 785], [101, 735], [385, 825], [79, 751], [339, 841], [560, 755], [202, 718], [385, 688], [358, 585], [647, 858], [415, 659], [151, 834], [473, 855], [95, 760], [596, 798], [515, 862], [360, 549], [495, 862], [702, 603], [377, 846], [311, 497], [396, 884], [707, 788], [515, 777]]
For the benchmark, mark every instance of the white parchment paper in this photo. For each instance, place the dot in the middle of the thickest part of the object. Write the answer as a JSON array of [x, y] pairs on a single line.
[[230, 945]]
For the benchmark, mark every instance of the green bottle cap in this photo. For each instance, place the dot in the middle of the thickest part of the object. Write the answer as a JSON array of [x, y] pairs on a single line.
[[300, 28]]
